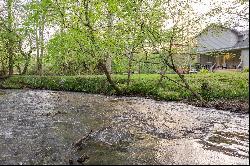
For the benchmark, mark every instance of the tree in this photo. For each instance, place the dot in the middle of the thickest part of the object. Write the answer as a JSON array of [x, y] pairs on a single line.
[[38, 18], [10, 36], [175, 40], [92, 36], [13, 35]]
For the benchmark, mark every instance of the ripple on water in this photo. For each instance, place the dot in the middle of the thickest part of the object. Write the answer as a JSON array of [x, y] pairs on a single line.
[[39, 127]]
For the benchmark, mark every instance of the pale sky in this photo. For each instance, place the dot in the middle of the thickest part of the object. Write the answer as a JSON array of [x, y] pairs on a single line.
[[207, 5]]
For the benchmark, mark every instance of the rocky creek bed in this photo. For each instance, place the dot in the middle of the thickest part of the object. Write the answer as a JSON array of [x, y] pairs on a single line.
[[49, 127]]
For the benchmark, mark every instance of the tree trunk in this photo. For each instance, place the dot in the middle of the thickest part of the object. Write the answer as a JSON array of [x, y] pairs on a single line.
[[130, 57], [108, 76], [189, 88], [41, 45], [161, 77], [25, 69], [92, 38], [3, 70], [186, 85], [26, 65], [108, 64], [37, 50], [10, 37], [108, 57], [139, 69], [11, 60], [18, 68], [173, 67]]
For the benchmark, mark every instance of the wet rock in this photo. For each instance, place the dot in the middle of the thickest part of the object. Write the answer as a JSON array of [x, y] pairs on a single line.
[[48, 114], [1, 93], [54, 114], [83, 158], [59, 112], [71, 162]]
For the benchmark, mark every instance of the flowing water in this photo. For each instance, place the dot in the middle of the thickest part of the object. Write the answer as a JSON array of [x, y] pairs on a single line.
[[43, 127]]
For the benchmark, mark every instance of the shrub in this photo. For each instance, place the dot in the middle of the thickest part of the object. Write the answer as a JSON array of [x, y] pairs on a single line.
[[246, 69], [206, 90], [211, 86], [203, 71]]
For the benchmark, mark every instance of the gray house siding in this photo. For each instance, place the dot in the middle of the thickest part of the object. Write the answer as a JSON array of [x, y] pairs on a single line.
[[215, 40], [245, 57]]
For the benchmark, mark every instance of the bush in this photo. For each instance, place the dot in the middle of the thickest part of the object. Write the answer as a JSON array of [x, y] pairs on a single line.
[[246, 69], [206, 90], [211, 86], [203, 71]]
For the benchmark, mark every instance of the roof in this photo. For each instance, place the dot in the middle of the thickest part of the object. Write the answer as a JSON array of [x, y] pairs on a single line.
[[243, 42]]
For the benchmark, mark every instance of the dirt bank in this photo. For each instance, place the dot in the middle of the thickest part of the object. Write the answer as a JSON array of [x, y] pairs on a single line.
[[241, 106]]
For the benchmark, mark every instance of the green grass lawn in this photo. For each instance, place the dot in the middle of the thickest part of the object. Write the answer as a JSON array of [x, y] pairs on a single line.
[[221, 85]]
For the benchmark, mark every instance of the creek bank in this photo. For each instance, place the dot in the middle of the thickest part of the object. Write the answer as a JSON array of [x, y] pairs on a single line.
[[225, 91], [240, 106]]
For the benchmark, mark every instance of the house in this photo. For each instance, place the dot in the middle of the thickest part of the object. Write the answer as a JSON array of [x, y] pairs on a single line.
[[223, 48]]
